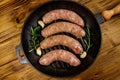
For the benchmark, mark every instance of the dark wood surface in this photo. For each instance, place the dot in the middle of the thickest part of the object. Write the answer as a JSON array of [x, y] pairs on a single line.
[[13, 13]]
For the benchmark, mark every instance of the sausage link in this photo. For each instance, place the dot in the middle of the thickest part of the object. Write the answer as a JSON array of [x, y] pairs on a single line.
[[62, 14], [62, 40], [63, 27], [61, 55]]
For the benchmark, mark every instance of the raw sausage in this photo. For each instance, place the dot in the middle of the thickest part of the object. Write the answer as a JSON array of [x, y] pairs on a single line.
[[62, 14], [62, 40], [63, 27], [61, 55]]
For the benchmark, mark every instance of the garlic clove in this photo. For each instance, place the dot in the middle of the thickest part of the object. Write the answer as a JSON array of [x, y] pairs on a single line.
[[38, 51], [83, 55], [41, 23]]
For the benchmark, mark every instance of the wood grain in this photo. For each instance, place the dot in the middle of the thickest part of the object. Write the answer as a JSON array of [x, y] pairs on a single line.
[[13, 14]]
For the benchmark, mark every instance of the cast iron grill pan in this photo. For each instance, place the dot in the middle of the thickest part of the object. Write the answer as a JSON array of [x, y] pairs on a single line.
[[59, 68]]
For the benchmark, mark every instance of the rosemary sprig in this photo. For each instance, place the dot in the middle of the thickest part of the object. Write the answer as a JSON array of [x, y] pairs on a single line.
[[87, 41], [88, 37], [35, 36]]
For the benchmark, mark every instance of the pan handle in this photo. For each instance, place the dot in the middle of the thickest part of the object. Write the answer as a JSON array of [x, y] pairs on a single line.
[[107, 14], [22, 61]]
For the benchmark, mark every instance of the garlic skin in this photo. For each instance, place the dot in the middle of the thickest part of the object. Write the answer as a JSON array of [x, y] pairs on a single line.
[[83, 55]]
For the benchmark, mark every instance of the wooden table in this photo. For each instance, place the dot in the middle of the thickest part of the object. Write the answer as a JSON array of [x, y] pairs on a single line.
[[12, 16]]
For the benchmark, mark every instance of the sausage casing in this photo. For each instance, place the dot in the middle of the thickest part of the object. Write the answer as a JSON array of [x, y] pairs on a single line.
[[62, 40], [63, 27], [63, 14], [61, 55]]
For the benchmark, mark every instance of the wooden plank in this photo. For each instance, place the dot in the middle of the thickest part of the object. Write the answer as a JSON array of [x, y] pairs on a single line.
[[10, 5], [106, 43], [15, 70], [7, 50], [113, 30]]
